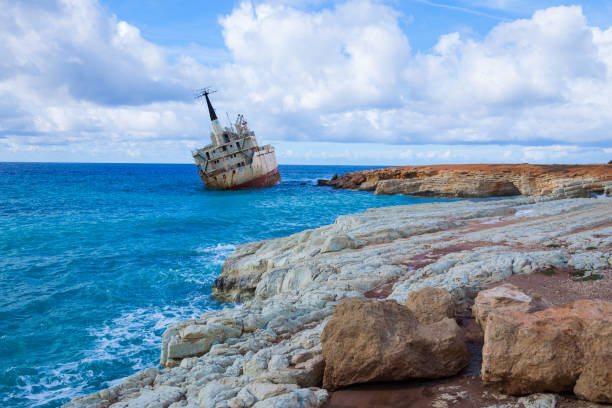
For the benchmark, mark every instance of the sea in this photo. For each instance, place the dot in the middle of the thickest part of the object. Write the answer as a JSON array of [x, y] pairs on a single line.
[[96, 260]]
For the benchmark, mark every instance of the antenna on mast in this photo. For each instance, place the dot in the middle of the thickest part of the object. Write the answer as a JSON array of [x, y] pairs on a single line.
[[203, 93]]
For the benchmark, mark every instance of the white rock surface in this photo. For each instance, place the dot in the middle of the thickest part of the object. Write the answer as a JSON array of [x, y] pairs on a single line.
[[267, 352]]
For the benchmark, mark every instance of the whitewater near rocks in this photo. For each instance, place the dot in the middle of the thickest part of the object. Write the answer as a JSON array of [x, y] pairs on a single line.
[[267, 351]]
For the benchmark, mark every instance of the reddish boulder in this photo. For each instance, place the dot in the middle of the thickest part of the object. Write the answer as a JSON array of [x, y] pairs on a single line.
[[431, 305], [558, 349], [368, 340]]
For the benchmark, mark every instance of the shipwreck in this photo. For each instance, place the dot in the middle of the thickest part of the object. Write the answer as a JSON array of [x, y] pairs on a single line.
[[234, 160]]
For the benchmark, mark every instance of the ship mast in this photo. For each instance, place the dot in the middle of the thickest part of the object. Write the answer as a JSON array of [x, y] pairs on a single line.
[[217, 131]]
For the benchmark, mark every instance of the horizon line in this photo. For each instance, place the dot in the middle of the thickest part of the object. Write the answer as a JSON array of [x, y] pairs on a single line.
[[345, 165]]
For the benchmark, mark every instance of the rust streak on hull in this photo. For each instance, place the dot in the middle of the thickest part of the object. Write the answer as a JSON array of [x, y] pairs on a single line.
[[266, 180]]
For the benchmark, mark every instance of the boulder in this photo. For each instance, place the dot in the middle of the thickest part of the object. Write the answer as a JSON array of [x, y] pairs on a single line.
[[431, 305], [505, 297], [368, 340], [559, 349]]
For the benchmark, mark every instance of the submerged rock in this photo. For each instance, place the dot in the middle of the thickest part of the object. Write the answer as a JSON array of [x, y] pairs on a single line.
[[368, 340]]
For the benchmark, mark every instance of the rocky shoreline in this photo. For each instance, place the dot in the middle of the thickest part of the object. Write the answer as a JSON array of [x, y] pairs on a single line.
[[268, 351], [482, 180]]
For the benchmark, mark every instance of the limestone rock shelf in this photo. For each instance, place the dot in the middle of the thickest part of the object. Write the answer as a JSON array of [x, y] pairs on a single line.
[[268, 353], [481, 180]]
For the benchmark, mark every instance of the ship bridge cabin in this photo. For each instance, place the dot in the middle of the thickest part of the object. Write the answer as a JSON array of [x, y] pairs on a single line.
[[230, 150]]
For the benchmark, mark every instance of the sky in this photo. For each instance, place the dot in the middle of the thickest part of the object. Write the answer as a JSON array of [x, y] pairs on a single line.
[[367, 82]]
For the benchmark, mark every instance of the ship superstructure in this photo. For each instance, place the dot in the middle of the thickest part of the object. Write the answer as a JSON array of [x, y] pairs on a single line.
[[234, 160]]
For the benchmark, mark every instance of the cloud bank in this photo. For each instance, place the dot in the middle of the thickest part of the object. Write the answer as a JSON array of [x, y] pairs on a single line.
[[75, 81]]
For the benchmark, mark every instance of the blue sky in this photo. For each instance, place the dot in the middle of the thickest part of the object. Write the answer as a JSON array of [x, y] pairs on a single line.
[[327, 82], [177, 23]]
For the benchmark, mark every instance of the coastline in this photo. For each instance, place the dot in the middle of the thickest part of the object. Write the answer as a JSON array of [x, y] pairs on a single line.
[[481, 180], [269, 347], [146, 242]]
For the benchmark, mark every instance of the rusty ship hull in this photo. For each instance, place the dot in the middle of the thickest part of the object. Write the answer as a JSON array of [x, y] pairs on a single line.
[[263, 172], [234, 160]]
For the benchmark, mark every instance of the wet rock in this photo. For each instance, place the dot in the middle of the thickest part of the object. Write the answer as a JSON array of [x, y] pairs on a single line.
[[368, 340], [559, 349], [505, 297], [431, 305]]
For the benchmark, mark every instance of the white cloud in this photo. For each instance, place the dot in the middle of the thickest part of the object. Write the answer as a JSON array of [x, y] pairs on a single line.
[[74, 50], [76, 79], [540, 80], [294, 61], [525, 62], [73, 78]]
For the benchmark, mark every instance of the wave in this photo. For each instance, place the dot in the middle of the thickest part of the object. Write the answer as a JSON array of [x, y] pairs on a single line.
[[126, 336], [48, 385], [131, 341], [216, 253]]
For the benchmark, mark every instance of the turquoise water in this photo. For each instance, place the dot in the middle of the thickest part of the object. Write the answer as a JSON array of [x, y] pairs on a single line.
[[97, 259]]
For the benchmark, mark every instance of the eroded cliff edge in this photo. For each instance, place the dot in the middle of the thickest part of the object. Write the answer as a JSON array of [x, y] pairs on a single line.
[[482, 180], [267, 352]]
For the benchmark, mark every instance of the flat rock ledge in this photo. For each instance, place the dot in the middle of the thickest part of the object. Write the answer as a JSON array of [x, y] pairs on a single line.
[[267, 351], [482, 180]]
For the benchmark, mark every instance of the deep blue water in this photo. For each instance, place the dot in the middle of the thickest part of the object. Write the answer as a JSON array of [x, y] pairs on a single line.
[[97, 259]]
